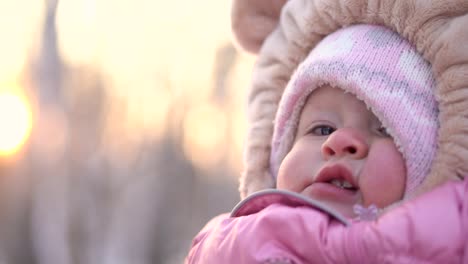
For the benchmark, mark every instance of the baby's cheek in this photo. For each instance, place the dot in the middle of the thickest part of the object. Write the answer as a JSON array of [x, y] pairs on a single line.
[[297, 168], [287, 177], [384, 175]]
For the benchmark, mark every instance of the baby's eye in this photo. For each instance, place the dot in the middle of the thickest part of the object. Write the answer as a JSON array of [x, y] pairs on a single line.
[[322, 130], [383, 131]]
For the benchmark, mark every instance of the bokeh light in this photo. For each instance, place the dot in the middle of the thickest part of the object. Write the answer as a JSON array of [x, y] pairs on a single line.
[[205, 135], [15, 122]]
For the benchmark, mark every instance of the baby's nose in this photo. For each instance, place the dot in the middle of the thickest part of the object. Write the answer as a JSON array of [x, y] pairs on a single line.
[[345, 141]]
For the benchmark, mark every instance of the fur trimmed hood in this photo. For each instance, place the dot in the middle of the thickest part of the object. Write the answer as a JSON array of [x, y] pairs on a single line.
[[282, 33]]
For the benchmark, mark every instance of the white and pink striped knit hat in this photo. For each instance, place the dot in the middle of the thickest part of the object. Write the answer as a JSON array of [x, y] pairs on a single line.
[[382, 69]]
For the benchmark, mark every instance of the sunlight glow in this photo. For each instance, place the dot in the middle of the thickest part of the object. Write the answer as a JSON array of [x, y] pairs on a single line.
[[15, 122], [77, 21], [19, 22], [156, 56], [205, 135]]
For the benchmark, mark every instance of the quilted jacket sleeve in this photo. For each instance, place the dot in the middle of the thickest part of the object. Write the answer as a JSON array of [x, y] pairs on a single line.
[[431, 229]]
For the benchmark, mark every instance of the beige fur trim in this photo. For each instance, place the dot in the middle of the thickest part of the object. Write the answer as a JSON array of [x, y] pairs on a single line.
[[253, 20], [437, 28]]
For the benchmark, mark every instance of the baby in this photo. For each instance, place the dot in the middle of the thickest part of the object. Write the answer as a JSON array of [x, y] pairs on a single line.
[[355, 133], [357, 124]]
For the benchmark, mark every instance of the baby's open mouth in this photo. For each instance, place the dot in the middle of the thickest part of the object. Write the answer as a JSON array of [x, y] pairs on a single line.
[[338, 176], [343, 184]]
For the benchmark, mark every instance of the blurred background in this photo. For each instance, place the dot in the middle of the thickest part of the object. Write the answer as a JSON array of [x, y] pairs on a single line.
[[121, 127]]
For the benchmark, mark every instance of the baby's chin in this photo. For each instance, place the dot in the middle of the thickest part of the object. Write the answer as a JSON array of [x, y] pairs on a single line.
[[345, 210], [339, 201]]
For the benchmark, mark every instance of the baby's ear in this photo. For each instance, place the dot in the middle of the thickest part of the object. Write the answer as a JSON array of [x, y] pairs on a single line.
[[253, 20]]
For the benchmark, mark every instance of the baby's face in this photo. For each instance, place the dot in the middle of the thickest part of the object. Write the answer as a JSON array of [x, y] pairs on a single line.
[[342, 156]]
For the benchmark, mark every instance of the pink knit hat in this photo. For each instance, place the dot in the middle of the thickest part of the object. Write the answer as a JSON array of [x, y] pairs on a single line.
[[382, 69]]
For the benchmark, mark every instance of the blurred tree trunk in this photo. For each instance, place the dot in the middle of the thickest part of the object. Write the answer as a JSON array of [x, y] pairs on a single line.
[[49, 168]]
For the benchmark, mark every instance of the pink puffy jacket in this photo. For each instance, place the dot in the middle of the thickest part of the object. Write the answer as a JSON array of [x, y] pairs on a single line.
[[279, 227]]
